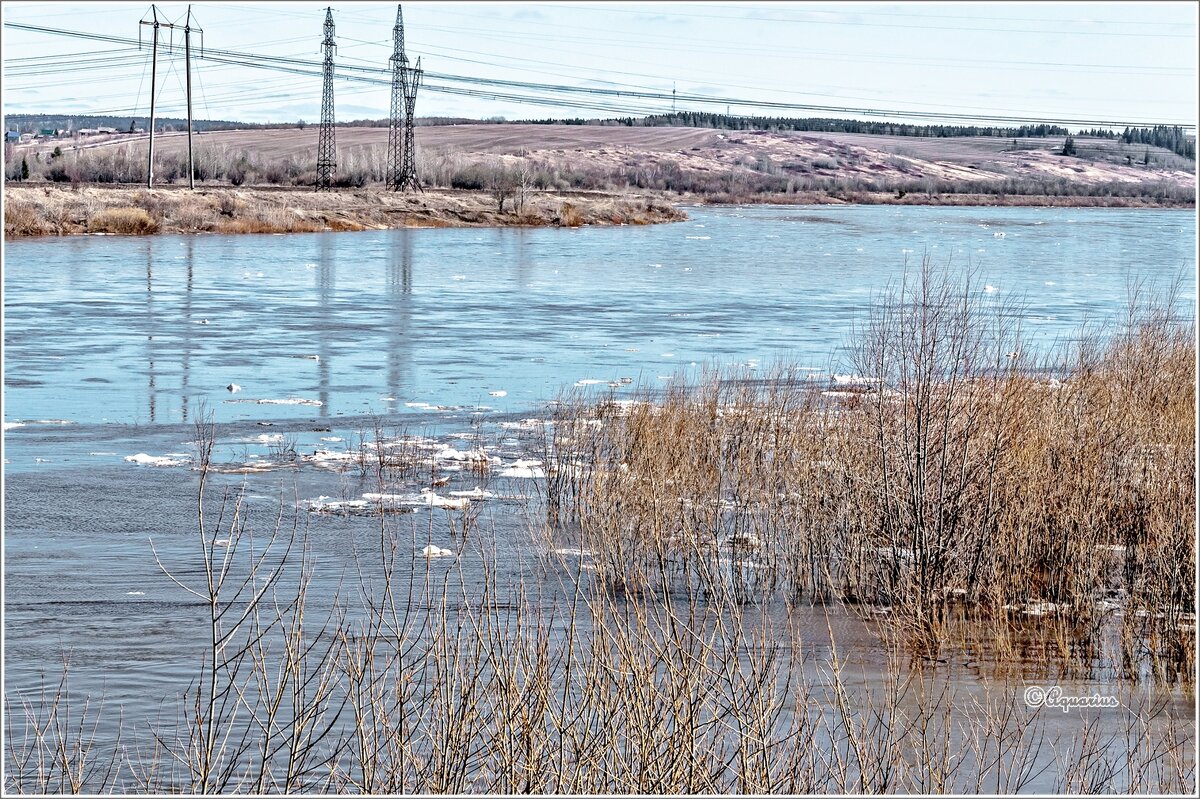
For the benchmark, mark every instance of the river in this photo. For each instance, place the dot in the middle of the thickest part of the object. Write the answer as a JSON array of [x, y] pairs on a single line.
[[309, 343]]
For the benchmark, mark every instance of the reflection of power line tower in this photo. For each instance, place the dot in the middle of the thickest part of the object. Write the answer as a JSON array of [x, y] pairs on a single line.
[[396, 127], [326, 160]]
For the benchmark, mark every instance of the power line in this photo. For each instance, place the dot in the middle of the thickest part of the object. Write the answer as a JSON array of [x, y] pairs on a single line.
[[557, 94]]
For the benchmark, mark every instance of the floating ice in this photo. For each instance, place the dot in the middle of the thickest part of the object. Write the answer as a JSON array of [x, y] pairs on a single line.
[[233, 388], [142, 459], [588, 382], [497, 393], [998, 234], [433, 500], [11, 425], [431, 551], [290, 401], [331, 438], [990, 289], [527, 469], [458, 277], [854, 380], [475, 493], [699, 238], [135, 593]]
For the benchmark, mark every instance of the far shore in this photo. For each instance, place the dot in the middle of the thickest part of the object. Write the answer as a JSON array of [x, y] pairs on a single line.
[[49, 209], [55, 210]]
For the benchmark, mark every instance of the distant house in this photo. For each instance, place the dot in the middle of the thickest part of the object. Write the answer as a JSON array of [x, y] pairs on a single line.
[[106, 130], [88, 131], [26, 137], [47, 133], [12, 135]]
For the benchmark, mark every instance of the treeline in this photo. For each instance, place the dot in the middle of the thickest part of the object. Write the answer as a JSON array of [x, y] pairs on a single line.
[[704, 119], [32, 123], [1166, 136]]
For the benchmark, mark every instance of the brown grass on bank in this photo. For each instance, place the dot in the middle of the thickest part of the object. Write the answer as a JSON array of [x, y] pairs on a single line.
[[123, 221], [59, 211]]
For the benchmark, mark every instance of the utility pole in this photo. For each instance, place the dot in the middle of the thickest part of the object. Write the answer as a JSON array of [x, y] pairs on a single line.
[[156, 24], [187, 56], [396, 129], [326, 159], [672, 99], [153, 82]]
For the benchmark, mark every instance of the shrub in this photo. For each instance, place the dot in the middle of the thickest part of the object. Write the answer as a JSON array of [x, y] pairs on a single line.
[[123, 221], [569, 216]]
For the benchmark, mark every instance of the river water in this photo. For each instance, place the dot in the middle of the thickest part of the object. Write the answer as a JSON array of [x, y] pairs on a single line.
[[114, 347]]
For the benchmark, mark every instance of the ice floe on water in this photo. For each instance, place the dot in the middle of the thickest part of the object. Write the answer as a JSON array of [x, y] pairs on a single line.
[[434, 551], [525, 469], [854, 380], [498, 393], [233, 388], [699, 238], [142, 459], [434, 500], [34, 422], [285, 401], [291, 401], [589, 381]]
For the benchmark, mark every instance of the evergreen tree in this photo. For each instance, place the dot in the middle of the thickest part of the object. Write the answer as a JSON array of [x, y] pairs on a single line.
[[24, 168], [1069, 146]]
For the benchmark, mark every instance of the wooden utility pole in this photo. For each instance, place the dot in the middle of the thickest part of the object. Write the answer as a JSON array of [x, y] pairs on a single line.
[[153, 82], [187, 27], [187, 57]]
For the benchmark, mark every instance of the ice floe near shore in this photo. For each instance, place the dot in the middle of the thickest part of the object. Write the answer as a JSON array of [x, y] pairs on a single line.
[[171, 459]]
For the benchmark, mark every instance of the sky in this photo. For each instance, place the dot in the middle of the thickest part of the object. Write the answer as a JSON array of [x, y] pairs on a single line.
[[1087, 61]]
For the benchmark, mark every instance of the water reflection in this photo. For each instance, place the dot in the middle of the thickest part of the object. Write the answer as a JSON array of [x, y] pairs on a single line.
[[399, 352], [189, 260], [326, 288], [93, 325], [151, 388]]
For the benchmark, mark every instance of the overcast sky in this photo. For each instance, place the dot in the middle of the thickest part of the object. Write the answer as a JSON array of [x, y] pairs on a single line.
[[1133, 61]]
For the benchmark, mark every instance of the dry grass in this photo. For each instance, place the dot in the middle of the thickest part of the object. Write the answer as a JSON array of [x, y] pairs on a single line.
[[953, 485], [124, 222], [60, 211]]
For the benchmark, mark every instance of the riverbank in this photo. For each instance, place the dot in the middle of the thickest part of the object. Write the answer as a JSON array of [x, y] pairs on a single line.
[[54, 210], [50, 210]]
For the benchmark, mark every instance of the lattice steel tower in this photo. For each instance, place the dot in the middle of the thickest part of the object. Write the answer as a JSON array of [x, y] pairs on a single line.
[[396, 130], [408, 170], [326, 158]]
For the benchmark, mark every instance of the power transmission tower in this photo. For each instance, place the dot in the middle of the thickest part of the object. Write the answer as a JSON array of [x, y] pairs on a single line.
[[408, 170], [326, 160], [187, 27], [187, 50], [396, 129], [153, 13]]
